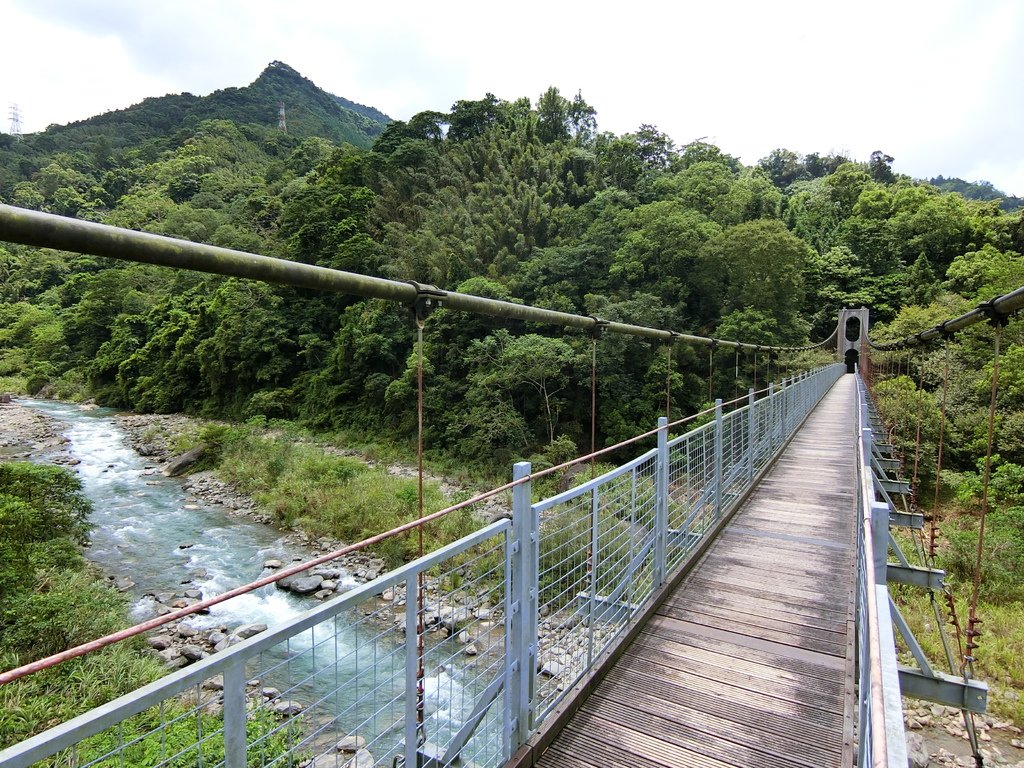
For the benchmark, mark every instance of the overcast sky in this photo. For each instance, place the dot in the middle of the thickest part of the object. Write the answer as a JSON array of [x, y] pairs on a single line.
[[939, 85]]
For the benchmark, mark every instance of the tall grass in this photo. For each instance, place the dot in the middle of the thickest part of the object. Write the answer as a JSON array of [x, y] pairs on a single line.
[[335, 496], [1000, 653]]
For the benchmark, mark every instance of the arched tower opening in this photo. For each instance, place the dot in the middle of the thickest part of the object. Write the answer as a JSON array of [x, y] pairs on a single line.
[[852, 360], [852, 331]]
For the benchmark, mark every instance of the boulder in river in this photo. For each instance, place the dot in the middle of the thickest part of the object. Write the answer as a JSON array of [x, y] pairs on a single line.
[[301, 585], [246, 631], [287, 707], [181, 462]]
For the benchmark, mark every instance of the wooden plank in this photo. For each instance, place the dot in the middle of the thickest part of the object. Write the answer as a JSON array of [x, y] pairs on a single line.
[[733, 681], [735, 719], [696, 737], [687, 699], [736, 658], [798, 634], [804, 663]]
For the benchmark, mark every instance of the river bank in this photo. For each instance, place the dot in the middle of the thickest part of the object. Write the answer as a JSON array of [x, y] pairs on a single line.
[[28, 434]]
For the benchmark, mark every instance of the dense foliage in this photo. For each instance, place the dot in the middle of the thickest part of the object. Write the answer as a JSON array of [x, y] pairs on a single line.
[[50, 601], [509, 199]]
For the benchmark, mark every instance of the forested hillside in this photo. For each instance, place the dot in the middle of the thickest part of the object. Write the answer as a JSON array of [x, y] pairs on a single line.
[[510, 199]]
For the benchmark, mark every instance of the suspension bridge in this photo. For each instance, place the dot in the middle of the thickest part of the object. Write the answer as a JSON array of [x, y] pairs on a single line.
[[721, 599]]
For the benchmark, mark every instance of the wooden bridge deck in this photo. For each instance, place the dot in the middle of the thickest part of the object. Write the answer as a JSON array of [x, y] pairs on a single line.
[[749, 662]]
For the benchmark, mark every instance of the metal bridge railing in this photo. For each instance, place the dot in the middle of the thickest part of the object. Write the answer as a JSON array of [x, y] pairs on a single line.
[[515, 615], [881, 738]]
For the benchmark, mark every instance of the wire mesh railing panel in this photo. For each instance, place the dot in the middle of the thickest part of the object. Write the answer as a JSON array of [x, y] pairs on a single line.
[[691, 499], [334, 685], [463, 634], [339, 682], [764, 431], [735, 458], [595, 570]]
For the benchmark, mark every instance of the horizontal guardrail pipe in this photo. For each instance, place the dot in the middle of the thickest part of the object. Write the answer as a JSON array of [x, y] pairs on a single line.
[[47, 230], [998, 309]]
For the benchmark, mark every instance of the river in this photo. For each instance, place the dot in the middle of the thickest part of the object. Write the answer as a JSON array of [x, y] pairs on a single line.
[[150, 531]]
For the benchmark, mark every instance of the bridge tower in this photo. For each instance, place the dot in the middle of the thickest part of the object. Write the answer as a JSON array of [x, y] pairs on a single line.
[[282, 122], [851, 336]]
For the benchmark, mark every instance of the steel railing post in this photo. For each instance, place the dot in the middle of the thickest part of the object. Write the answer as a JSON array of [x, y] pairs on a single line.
[[235, 740], [772, 418], [661, 503], [594, 568], [521, 662], [751, 432], [784, 391], [718, 457], [411, 670]]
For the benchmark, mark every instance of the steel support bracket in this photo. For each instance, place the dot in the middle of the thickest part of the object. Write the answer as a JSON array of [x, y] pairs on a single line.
[[956, 692], [913, 520], [886, 464], [883, 450], [926, 578], [900, 487]]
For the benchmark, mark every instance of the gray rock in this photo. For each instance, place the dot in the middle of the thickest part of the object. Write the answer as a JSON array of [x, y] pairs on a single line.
[[184, 630], [216, 637], [273, 563], [270, 693], [246, 631], [330, 584], [351, 744], [214, 683], [471, 650], [552, 668], [287, 707], [323, 594], [159, 642], [917, 751], [301, 585], [193, 652], [361, 759], [180, 463]]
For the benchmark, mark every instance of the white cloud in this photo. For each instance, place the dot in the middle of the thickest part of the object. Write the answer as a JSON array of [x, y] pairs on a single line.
[[935, 84]]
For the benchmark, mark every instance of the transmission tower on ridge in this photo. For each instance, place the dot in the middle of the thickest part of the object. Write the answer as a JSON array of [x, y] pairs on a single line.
[[15, 122], [282, 124]]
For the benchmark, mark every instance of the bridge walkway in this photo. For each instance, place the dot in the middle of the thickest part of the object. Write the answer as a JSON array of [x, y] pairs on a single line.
[[750, 660]]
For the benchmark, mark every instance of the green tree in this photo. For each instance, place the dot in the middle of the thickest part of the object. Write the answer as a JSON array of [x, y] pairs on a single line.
[[760, 265]]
